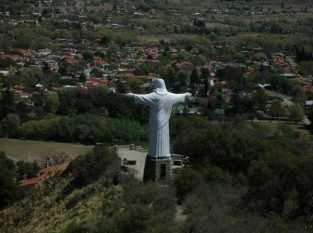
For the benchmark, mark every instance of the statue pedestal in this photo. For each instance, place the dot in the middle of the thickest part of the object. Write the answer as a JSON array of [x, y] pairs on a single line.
[[157, 169]]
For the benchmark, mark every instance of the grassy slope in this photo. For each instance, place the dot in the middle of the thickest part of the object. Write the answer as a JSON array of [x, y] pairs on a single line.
[[36, 150], [47, 210]]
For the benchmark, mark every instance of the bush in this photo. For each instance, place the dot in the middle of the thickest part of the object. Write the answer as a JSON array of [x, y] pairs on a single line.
[[137, 208], [26, 170], [283, 186], [88, 168], [100, 101], [296, 112], [231, 146], [186, 182], [8, 187]]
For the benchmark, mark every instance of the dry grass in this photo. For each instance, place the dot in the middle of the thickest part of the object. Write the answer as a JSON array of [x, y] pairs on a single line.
[[36, 150]]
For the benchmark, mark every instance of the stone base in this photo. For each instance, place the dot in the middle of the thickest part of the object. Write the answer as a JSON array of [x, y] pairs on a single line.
[[157, 169]]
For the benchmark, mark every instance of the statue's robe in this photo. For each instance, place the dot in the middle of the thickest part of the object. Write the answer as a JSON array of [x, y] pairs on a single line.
[[160, 102]]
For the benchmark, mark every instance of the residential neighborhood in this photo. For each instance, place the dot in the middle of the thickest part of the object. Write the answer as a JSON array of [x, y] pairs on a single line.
[[156, 116]]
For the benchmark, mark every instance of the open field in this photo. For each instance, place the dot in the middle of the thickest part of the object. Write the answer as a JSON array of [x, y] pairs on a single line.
[[36, 150]]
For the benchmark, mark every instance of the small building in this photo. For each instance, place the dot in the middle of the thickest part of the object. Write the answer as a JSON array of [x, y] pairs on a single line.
[[308, 104]]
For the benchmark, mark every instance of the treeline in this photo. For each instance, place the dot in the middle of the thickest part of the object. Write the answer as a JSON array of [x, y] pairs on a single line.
[[88, 129], [46, 106], [15, 6], [98, 100], [233, 146], [10, 174], [8, 187], [270, 162]]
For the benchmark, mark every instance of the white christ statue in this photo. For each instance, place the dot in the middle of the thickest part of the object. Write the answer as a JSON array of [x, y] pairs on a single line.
[[160, 102]]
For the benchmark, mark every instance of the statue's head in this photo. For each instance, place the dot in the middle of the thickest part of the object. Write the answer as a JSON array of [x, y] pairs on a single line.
[[159, 86]]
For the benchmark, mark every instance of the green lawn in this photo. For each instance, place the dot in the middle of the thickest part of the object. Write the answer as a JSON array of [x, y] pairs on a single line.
[[37, 150]]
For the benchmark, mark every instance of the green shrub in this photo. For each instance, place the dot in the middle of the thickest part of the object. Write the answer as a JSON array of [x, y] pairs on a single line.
[[88, 168], [186, 182], [282, 186], [88, 129], [8, 187]]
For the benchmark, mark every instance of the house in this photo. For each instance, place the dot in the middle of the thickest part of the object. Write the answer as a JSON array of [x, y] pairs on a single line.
[[308, 104], [99, 62], [138, 14], [4, 72], [5, 13], [24, 52]]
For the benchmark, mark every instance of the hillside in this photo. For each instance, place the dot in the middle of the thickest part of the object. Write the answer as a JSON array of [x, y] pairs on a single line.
[[47, 211], [87, 197], [94, 196], [65, 198]]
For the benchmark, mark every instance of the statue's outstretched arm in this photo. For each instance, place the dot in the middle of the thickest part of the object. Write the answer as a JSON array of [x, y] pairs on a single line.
[[181, 98], [142, 99]]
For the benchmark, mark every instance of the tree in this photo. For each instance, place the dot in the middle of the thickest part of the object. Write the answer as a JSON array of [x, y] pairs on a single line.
[[233, 75], [134, 85], [277, 109], [194, 77], [143, 69], [105, 40], [7, 103], [87, 168], [28, 77], [40, 100], [7, 62], [186, 182], [296, 112], [9, 124], [241, 103], [282, 186], [260, 99], [88, 55], [53, 102], [8, 188], [139, 208], [88, 129], [24, 40], [182, 79], [26, 170], [306, 67], [230, 146]]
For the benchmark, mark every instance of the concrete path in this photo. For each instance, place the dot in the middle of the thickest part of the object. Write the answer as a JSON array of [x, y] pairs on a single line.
[[138, 155]]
